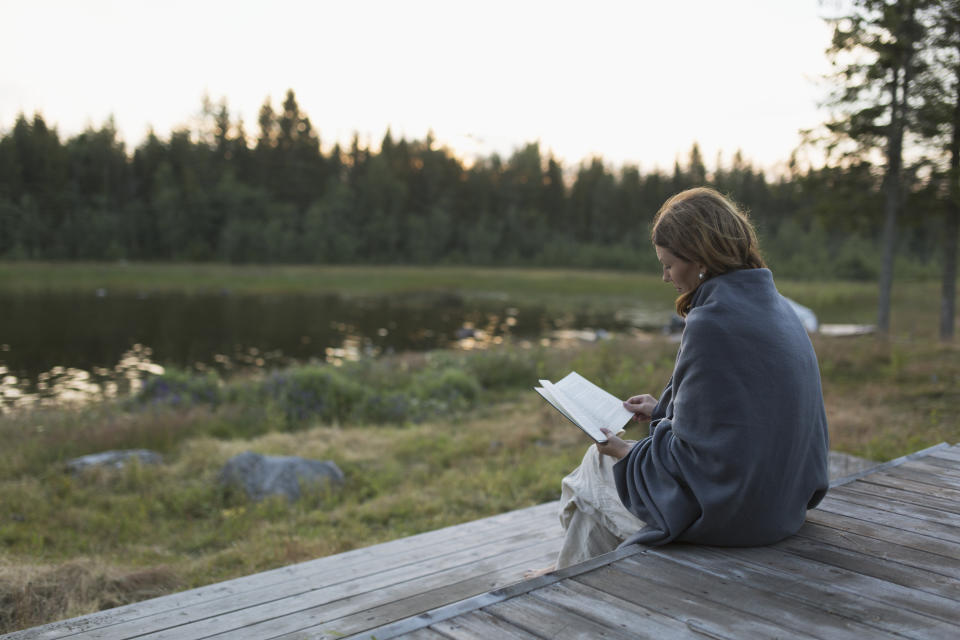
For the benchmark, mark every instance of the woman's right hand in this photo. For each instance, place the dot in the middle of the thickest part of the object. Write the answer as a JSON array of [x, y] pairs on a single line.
[[641, 406]]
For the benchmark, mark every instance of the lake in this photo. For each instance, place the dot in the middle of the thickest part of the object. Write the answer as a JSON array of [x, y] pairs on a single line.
[[71, 346]]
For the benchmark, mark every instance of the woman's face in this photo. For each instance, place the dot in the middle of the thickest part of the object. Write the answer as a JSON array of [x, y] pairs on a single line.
[[683, 275]]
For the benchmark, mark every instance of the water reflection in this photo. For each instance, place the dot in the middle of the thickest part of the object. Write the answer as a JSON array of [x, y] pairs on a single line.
[[73, 348]]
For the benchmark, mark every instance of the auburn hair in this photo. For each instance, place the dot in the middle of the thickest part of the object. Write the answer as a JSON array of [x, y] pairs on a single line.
[[701, 225]]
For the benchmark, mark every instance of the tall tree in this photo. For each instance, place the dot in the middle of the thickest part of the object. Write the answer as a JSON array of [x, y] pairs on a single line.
[[875, 53], [941, 88]]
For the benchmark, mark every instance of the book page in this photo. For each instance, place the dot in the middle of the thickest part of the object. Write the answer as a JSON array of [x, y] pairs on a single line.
[[570, 409], [599, 407]]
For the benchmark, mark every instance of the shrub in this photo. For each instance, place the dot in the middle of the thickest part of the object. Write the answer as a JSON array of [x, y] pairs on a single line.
[[180, 389], [317, 392], [504, 369]]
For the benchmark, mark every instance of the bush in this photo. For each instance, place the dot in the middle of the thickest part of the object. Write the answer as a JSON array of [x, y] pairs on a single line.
[[504, 369], [180, 389], [317, 392]]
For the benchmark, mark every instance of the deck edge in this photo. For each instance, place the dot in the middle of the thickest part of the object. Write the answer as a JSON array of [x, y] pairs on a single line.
[[467, 605], [922, 453]]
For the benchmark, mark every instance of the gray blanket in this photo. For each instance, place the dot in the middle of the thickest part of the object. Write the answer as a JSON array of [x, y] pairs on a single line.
[[738, 443]]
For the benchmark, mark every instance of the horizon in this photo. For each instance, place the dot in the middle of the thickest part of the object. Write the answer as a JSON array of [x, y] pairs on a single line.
[[617, 81]]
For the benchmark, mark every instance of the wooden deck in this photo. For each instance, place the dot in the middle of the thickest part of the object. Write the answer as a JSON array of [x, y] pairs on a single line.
[[880, 557]]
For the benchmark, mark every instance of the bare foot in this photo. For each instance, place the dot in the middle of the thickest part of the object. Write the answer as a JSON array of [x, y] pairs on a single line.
[[536, 573]]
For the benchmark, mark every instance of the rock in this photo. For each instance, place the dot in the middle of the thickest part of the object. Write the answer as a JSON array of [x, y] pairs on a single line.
[[260, 476], [113, 459], [843, 465]]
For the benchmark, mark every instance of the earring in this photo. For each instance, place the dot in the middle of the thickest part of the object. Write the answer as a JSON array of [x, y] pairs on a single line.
[[701, 275]]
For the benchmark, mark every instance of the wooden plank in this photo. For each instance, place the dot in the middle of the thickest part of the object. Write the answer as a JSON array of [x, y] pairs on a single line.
[[746, 598], [699, 615], [859, 606], [947, 464], [209, 616], [417, 546], [612, 611], [550, 621], [953, 453], [900, 507], [887, 549], [479, 625], [925, 476], [883, 569], [917, 488], [803, 569], [870, 514], [847, 525], [940, 475], [875, 491], [426, 634], [399, 627], [378, 601], [888, 465]]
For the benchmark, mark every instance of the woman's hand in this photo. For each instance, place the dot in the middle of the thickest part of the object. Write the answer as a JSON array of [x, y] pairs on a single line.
[[614, 446], [641, 406]]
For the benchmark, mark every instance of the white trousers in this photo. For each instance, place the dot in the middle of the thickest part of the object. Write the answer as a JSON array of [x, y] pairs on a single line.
[[594, 519]]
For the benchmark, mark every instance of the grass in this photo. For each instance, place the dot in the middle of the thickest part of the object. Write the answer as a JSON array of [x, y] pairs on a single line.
[[74, 544], [914, 302]]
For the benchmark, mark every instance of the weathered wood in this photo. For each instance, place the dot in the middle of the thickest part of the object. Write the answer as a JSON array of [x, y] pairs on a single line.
[[479, 625], [380, 601], [817, 573], [856, 605], [411, 549], [612, 611], [869, 565], [909, 556], [213, 616], [864, 491], [871, 514], [398, 627], [912, 486], [944, 465], [425, 634], [699, 615], [910, 539], [550, 621], [888, 504], [887, 465], [743, 597], [953, 453], [926, 473]]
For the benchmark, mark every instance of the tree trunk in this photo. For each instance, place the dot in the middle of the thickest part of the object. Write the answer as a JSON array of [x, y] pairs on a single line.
[[951, 228], [891, 204]]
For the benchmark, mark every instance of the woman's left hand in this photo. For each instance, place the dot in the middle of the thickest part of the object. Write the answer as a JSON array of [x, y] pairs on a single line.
[[614, 446]]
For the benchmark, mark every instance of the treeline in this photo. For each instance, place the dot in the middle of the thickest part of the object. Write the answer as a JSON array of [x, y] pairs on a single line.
[[216, 194]]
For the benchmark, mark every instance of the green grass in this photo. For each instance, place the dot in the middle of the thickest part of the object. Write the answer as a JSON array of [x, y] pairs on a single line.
[[915, 303]]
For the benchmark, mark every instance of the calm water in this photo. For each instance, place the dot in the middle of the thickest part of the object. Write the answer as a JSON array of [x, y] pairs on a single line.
[[67, 347]]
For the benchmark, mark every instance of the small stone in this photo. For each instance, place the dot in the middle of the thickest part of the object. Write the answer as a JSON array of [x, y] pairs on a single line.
[[113, 459]]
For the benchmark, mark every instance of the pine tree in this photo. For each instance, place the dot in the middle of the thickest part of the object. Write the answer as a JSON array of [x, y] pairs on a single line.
[[875, 51]]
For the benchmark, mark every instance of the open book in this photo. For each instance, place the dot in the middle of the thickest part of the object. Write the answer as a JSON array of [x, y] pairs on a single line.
[[585, 405]]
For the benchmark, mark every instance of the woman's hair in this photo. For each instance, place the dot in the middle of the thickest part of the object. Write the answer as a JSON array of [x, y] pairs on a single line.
[[701, 225]]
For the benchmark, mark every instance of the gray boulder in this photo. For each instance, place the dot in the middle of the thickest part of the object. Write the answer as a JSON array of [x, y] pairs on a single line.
[[260, 476], [113, 459]]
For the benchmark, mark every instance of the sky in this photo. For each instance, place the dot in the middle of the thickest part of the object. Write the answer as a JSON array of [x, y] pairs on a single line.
[[634, 82]]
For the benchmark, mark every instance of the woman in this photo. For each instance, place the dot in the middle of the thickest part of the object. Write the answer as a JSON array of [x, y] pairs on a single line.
[[737, 450]]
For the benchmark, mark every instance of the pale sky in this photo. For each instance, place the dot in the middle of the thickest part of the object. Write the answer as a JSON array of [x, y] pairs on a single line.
[[632, 81]]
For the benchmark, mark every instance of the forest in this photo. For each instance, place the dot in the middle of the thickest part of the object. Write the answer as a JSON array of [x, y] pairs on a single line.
[[212, 195]]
